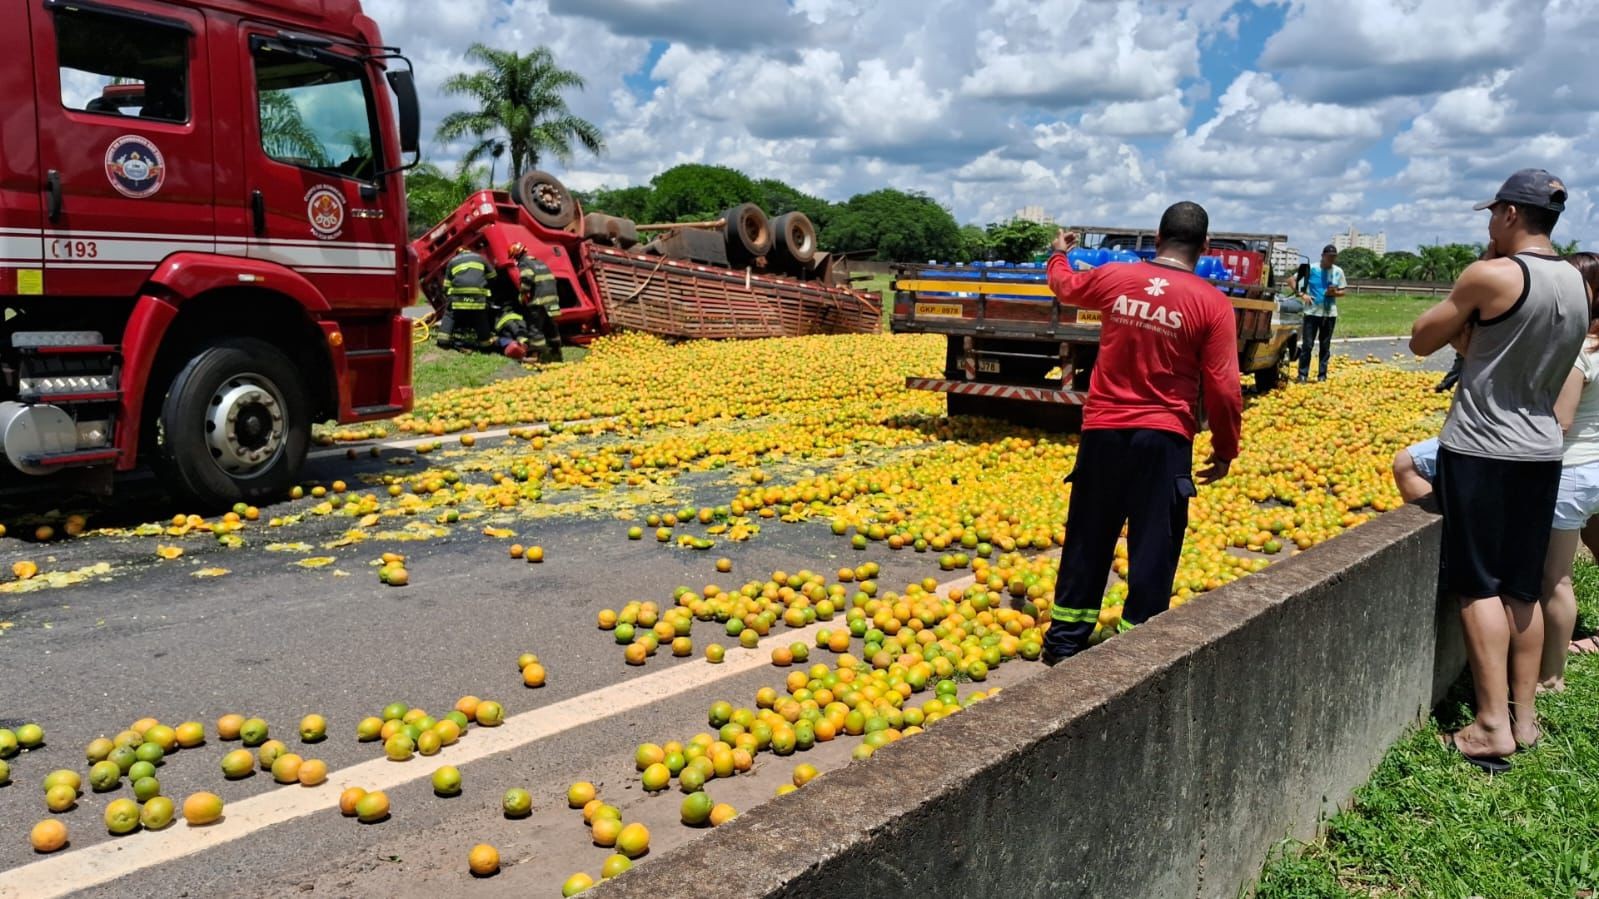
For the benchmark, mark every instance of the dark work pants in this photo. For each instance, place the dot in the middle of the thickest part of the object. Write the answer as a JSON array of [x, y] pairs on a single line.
[[1141, 478], [1317, 329]]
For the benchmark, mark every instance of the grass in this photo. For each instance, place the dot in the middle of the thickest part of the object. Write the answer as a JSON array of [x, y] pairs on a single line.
[[1430, 825], [1373, 315], [437, 370]]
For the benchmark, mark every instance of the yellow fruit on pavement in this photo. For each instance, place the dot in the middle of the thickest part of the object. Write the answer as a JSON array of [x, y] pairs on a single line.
[[48, 835], [634, 840], [229, 727], [580, 794], [313, 772], [575, 884], [202, 808], [614, 865], [483, 860], [372, 808], [348, 799]]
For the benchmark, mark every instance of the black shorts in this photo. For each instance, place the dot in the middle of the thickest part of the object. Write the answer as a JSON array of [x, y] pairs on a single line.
[[1497, 516]]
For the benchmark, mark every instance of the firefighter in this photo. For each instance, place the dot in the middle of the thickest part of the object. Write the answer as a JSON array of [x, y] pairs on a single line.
[[512, 336], [539, 302], [465, 322]]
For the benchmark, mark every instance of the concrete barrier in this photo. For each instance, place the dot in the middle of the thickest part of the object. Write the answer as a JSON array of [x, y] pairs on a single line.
[[1164, 763]]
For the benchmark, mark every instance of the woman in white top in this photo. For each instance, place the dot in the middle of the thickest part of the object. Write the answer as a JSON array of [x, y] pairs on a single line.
[[1578, 411]]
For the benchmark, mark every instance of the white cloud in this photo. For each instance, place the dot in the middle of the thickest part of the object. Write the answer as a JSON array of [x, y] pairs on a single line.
[[1394, 114], [1139, 118]]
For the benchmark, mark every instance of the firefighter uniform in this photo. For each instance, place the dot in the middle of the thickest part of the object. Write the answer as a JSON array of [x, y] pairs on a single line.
[[465, 322], [540, 305]]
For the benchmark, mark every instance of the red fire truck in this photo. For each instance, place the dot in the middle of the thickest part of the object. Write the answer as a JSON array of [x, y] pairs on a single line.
[[202, 237]]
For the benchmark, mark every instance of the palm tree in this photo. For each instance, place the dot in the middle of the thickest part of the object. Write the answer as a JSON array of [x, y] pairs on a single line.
[[519, 101], [430, 194]]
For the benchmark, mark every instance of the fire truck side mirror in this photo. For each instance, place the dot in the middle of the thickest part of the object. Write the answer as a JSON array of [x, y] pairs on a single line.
[[404, 85]]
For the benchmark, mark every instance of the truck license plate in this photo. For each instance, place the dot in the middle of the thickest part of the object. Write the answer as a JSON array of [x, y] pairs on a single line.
[[1088, 316], [988, 366], [943, 310]]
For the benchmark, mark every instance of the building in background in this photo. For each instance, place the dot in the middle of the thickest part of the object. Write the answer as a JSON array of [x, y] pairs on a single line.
[[1033, 214], [1377, 243], [1284, 259]]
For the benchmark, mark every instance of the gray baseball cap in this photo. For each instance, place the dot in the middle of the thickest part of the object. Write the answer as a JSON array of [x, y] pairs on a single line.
[[1531, 187]]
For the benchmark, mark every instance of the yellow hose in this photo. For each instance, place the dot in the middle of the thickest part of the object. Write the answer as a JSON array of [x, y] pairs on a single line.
[[422, 328]]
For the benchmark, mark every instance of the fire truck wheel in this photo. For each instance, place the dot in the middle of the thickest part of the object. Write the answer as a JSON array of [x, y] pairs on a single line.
[[235, 424], [546, 199]]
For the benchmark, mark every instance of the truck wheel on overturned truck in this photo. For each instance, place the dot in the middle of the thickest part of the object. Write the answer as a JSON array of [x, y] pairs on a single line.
[[749, 233], [793, 242], [235, 425], [546, 199]]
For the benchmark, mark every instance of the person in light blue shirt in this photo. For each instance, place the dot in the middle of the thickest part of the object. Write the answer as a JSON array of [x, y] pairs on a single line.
[[1320, 291]]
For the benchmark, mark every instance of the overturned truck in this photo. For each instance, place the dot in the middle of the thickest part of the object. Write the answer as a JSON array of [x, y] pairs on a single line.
[[741, 276]]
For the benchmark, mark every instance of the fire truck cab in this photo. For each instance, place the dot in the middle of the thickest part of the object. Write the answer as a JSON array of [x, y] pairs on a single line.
[[202, 237]]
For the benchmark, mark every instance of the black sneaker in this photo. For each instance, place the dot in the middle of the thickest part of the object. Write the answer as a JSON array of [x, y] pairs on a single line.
[[1301, 379], [1321, 378], [1050, 659]]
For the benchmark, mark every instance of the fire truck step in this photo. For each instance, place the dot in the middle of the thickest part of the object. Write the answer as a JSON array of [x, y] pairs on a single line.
[[73, 458]]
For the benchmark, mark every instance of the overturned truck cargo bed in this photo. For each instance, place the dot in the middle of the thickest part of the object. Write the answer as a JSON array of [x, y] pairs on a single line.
[[685, 300]]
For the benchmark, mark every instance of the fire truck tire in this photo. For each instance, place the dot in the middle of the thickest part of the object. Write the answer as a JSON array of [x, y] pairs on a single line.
[[794, 240], [749, 234], [546, 199], [235, 425]]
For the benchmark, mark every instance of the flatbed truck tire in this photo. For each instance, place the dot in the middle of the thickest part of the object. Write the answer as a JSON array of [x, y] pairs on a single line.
[[235, 425], [1054, 417]]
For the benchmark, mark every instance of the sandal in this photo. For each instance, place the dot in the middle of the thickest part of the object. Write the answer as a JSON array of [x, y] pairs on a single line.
[[1492, 764], [1586, 646]]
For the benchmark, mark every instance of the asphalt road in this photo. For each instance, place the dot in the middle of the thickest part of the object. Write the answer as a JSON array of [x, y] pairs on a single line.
[[275, 639]]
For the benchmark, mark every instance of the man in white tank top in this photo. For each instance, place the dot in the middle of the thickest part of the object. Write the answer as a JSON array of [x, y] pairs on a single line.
[[1518, 317]]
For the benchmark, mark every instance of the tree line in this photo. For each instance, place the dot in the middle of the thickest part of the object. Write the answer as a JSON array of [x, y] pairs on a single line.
[[1442, 263], [520, 111]]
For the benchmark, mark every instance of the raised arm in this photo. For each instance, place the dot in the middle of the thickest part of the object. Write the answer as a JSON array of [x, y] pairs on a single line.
[[1479, 286], [1068, 286]]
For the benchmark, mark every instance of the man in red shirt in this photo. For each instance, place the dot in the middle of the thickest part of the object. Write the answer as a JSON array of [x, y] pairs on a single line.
[[1167, 339]]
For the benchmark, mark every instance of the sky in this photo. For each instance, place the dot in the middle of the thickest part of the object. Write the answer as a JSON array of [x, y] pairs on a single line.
[[1299, 117]]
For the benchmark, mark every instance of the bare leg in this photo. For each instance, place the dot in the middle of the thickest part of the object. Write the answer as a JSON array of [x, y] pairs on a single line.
[[1590, 536], [1412, 486], [1488, 639], [1525, 620], [1559, 609]]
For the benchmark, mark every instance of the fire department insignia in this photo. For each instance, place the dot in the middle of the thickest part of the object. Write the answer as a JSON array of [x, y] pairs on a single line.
[[324, 208], [135, 167]]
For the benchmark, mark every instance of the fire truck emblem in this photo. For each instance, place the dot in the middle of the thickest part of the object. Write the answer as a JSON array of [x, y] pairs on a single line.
[[324, 208], [135, 167]]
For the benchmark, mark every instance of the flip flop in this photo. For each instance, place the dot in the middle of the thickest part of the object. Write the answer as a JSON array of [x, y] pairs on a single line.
[[1586, 646], [1491, 764]]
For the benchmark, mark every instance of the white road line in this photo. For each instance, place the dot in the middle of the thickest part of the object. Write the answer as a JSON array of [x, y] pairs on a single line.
[[414, 442], [1369, 339], [81, 869]]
